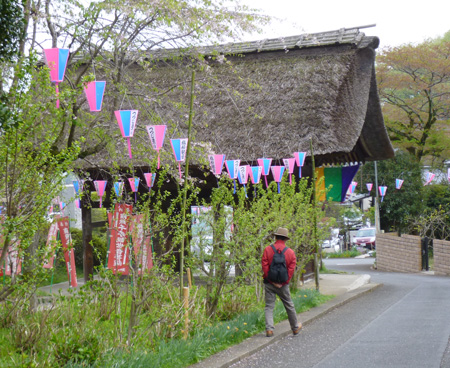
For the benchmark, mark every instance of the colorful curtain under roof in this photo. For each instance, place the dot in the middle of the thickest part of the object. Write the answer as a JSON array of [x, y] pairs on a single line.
[[336, 179]]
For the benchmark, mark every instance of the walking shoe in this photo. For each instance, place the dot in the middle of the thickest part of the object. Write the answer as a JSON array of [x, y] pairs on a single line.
[[269, 333], [297, 330]]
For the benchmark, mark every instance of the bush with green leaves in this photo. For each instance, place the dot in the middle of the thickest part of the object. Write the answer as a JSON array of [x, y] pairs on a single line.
[[99, 245]]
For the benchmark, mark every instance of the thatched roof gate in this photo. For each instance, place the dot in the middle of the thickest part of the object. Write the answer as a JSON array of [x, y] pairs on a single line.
[[265, 98]]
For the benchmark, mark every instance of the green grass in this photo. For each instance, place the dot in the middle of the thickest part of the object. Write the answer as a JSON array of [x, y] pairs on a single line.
[[59, 274], [74, 330], [211, 339], [346, 254], [325, 270]]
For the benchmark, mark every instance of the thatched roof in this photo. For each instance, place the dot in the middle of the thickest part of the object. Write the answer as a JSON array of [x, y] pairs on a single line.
[[269, 98]]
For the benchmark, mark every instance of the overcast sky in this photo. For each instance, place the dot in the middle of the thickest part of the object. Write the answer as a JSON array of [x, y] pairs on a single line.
[[397, 21]]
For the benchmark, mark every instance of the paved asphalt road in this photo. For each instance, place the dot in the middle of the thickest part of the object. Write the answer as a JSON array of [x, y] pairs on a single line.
[[404, 323]]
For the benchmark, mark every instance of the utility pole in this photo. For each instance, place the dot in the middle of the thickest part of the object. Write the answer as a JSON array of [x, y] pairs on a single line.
[[377, 202]]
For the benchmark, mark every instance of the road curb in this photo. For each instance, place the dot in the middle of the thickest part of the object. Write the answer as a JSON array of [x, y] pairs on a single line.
[[252, 345]]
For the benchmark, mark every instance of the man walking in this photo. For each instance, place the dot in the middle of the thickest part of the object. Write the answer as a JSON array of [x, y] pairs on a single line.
[[278, 265]]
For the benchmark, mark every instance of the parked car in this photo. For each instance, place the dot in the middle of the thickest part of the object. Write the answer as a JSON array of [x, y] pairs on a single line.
[[334, 241], [365, 237]]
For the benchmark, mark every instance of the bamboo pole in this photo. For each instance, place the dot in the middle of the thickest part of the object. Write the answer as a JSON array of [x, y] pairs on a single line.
[[186, 312], [185, 189], [188, 271], [315, 243]]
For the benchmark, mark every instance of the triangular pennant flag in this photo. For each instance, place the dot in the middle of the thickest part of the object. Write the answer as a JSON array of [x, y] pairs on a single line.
[[233, 170], [289, 164], [94, 94], [398, 183], [156, 133], [100, 186], [150, 179], [265, 163], [243, 174], [216, 162], [134, 184], [277, 172], [118, 187], [300, 161], [429, 178], [56, 60], [369, 186], [78, 186], [382, 190], [255, 174], [127, 120], [179, 148], [352, 187]]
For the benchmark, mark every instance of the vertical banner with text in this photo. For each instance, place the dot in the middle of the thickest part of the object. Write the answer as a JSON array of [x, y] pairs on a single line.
[[50, 246], [141, 244], [69, 254], [118, 256]]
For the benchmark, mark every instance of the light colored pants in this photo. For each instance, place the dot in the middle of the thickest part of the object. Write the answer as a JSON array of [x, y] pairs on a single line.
[[285, 296]]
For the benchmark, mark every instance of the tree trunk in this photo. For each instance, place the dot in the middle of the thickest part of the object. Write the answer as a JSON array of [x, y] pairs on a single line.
[[88, 253]]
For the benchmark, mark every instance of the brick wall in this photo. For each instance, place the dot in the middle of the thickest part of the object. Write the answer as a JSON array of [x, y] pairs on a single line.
[[441, 251], [399, 254]]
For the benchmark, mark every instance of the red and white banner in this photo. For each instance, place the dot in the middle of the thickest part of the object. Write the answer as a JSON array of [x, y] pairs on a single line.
[[13, 263], [69, 254], [50, 247], [141, 244], [118, 256]]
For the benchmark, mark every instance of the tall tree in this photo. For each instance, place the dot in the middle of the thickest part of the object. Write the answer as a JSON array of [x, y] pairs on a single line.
[[399, 206], [414, 84], [114, 39], [12, 26]]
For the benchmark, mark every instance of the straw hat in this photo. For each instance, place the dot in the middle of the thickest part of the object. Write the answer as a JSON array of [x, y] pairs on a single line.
[[282, 231]]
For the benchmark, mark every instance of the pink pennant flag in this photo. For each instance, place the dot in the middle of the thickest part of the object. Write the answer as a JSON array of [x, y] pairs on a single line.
[[430, 177], [216, 162], [448, 174], [352, 187], [277, 172], [118, 187], [289, 164], [382, 190], [94, 94], [100, 186], [179, 148], [369, 186], [255, 174], [398, 183], [233, 170], [243, 175], [127, 120], [265, 163], [150, 180], [156, 133], [134, 184], [56, 60], [300, 161]]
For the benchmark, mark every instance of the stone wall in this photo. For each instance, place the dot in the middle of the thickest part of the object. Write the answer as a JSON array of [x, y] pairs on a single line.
[[441, 251], [399, 254]]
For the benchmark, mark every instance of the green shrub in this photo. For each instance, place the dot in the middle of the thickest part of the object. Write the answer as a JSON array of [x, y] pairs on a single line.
[[345, 254], [98, 242]]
